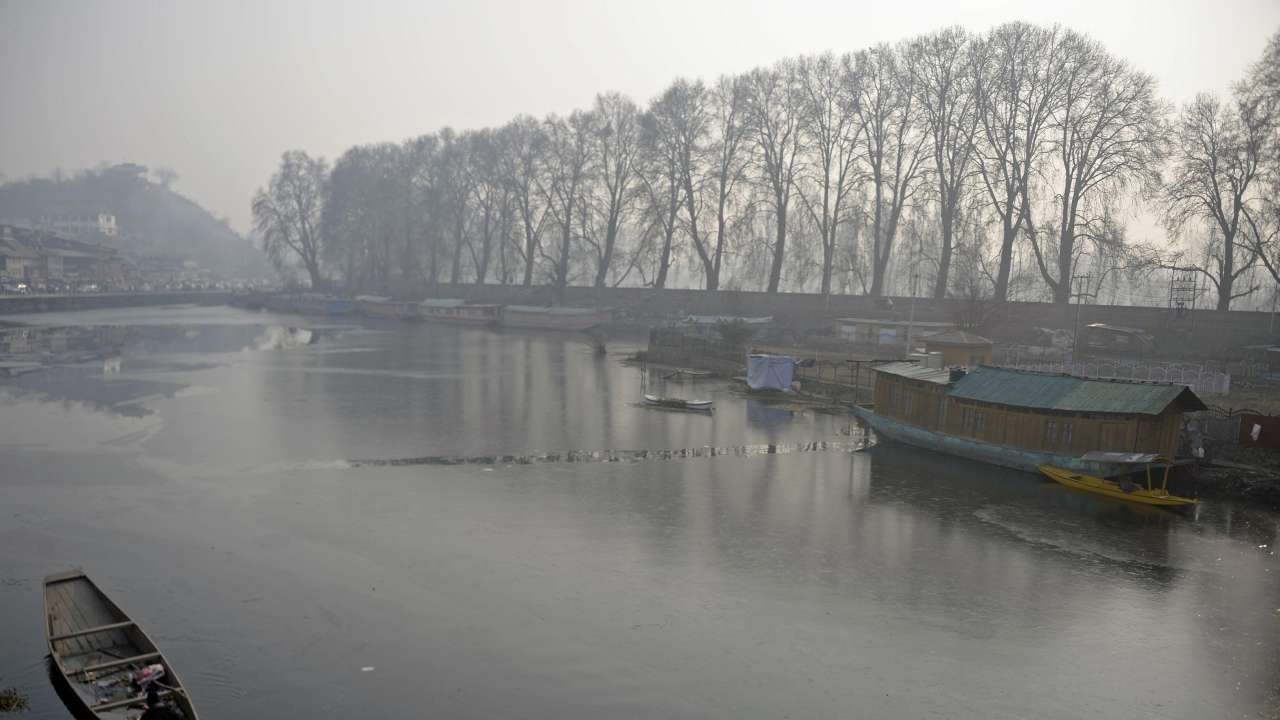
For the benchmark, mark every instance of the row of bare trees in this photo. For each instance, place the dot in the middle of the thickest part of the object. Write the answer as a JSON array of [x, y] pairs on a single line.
[[1001, 163]]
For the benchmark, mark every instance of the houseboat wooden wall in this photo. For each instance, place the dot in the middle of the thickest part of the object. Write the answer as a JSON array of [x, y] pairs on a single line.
[[925, 404]]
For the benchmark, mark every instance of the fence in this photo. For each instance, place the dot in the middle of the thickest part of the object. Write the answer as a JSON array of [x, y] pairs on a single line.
[[1201, 381]]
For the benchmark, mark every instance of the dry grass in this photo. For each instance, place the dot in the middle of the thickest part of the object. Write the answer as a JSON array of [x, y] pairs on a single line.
[[12, 701]]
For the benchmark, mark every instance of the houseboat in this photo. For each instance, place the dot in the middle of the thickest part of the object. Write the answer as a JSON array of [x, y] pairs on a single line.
[[459, 312], [555, 318], [317, 304], [376, 306], [1023, 419]]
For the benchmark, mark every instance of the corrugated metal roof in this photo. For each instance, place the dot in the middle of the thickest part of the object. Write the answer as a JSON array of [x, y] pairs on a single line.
[[915, 371], [1073, 394]]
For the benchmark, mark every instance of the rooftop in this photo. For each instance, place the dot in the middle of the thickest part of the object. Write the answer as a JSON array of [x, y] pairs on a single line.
[[915, 371], [1046, 391], [957, 337]]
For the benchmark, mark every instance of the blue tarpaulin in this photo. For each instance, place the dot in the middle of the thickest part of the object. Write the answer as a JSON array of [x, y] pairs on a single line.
[[770, 372]]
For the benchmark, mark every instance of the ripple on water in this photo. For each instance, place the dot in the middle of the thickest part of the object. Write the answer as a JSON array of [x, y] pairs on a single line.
[[1081, 535]]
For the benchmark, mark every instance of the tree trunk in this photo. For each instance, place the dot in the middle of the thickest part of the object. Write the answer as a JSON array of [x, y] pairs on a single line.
[[944, 258], [1227, 281], [1010, 233], [779, 247], [664, 258]]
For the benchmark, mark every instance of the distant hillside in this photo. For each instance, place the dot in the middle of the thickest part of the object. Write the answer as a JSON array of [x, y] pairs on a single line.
[[152, 219]]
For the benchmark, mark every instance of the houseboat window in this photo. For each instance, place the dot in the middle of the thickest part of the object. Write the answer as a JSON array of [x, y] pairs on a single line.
[[1066, 433], [980, 422], [1051, 432]]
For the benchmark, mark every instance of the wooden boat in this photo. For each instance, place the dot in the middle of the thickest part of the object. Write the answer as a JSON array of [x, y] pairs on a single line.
[[555, 318], [102, 654], [458, 312], [1123, 488], [376, 306], [679, 403]]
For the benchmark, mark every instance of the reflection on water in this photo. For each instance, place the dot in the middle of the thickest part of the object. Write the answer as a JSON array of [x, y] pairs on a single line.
[[503, 551]]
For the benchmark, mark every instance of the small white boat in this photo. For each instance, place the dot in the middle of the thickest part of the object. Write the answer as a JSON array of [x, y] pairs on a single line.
[[679, 403]]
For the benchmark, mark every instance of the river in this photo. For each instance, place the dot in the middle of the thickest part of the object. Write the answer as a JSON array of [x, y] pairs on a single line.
[[330, 518]]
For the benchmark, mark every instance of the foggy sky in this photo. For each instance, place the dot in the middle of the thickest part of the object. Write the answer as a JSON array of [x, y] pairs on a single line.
[[217, 90]]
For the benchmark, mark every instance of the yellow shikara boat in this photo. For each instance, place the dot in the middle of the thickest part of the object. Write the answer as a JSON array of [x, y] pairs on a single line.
[[1123, 489]]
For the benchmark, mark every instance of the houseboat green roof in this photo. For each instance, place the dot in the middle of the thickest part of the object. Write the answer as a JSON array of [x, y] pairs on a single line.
[[1021, 388]]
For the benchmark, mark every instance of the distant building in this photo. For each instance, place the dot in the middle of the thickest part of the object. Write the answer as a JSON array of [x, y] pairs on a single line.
[[959, 347], [16, 258], [81, 225], [39, 257], [892, 333]]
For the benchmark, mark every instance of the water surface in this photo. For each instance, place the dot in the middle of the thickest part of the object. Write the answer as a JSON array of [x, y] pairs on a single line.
[[279, 501]]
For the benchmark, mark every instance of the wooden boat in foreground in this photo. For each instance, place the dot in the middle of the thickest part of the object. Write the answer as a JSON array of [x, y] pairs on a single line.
[[1123, 488], [679, 403], [106, 660]]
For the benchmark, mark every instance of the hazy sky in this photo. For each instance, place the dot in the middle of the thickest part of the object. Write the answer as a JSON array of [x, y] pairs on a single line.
[[217, 90]]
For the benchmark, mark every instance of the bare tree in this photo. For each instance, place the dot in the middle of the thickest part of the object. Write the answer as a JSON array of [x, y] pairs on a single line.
[[1107, 132], [523, 162], [489, 193], [568, 159], [457, 182], [615, 143], [829, 88], [1262, 88], [944, 87], [658, 172], [286, 213], [774, 111], [895, 149], [1016, 91], [1216, 161]]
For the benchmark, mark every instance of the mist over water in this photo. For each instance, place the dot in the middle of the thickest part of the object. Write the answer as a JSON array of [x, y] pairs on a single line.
[[244, 484]]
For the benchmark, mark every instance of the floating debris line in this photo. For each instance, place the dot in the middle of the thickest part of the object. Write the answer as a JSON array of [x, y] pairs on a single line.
[[619, 456]]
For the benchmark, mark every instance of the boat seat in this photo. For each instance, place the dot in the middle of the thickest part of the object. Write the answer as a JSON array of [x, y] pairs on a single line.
[[117, 663], [92, 630]]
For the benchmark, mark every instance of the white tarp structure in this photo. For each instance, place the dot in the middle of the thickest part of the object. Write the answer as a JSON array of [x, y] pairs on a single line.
[[770, 372]]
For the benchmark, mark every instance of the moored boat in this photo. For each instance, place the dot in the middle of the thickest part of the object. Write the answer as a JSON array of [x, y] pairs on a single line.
[[1124, 488], [317, 304], [545, 317], [377, 306], [450, 310], [104, 657], [1024, 420], [670, 403]]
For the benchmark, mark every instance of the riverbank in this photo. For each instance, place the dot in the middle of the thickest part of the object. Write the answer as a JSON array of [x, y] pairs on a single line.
[[19, 304]]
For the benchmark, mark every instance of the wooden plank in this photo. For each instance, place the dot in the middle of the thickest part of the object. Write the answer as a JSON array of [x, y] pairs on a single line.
[[92, 630], [118, 663]]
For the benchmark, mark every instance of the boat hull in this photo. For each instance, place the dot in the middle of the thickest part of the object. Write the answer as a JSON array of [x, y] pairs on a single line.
[[1026, 460], [554, 319], [1111, 489], [87, 634], [677, 404], [460, 315]]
